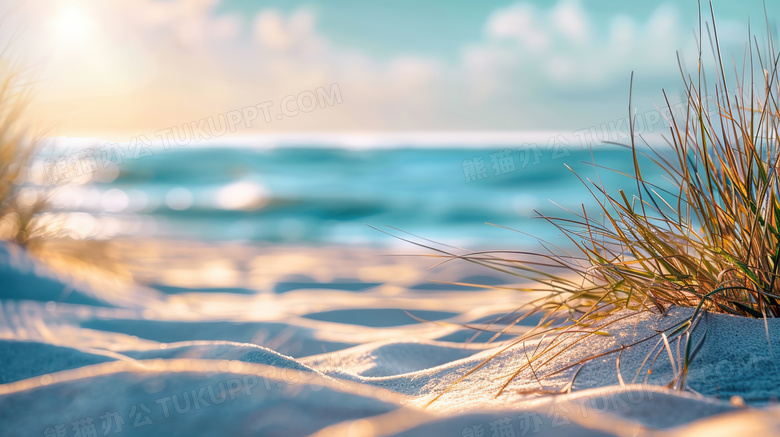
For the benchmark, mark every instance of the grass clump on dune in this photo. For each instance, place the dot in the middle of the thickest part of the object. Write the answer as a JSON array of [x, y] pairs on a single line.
[[27, 217], [712, 242], [20, 208]]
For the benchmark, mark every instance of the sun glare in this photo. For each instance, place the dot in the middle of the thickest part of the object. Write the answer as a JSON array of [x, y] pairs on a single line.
[[73, 27]]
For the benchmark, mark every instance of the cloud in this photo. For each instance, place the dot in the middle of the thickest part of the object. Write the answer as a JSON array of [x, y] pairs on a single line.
[[559, 47], [297, 32], [152, 64], [519, 23], [571, 21]]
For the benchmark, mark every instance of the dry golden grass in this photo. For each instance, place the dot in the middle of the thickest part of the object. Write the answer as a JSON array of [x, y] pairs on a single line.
[[712, 242], [19, 143], [25, 208]]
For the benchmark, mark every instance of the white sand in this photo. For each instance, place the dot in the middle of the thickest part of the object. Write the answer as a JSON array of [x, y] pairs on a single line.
[[252, 364]]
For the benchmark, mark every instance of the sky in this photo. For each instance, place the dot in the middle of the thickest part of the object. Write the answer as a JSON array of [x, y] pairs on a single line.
[[120, 68]]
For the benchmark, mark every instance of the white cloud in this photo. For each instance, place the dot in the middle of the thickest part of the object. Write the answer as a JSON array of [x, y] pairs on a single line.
[[560, 47], [163, 62], [570, 19], [519, 23], [153, 64], [297, 32]]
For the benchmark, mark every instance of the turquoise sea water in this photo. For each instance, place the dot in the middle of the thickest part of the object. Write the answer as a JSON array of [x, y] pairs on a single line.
[[319, 196]]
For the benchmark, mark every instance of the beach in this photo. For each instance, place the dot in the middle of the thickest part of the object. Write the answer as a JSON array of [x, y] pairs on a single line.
[[342, 341], [308, 218]]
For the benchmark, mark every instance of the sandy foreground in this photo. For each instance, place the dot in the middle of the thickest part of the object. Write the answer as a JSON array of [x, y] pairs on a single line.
[[238, 340]]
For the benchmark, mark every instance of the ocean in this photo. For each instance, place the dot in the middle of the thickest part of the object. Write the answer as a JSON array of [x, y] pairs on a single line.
[[307, 195]]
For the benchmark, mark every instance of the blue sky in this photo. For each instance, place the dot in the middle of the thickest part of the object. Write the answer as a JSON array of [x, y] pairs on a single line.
[[114, 68], [439, 28]]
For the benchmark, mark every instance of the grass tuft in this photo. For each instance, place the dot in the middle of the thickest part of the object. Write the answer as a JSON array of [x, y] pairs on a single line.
[[711, 242], [26, 212], [714, 241], [20, 206]]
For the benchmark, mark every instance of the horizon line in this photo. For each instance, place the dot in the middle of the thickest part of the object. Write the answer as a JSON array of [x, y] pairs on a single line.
[[364, 139]]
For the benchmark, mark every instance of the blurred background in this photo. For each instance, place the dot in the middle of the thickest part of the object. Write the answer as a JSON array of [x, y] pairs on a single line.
[[201, 177], [299, 123]]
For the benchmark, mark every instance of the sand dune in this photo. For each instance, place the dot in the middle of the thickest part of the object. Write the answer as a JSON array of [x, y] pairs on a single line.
[[309, 361]]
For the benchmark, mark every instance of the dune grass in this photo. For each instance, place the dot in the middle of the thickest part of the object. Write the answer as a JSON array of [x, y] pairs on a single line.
[[19, 142], [712, 242], [26, 211]]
